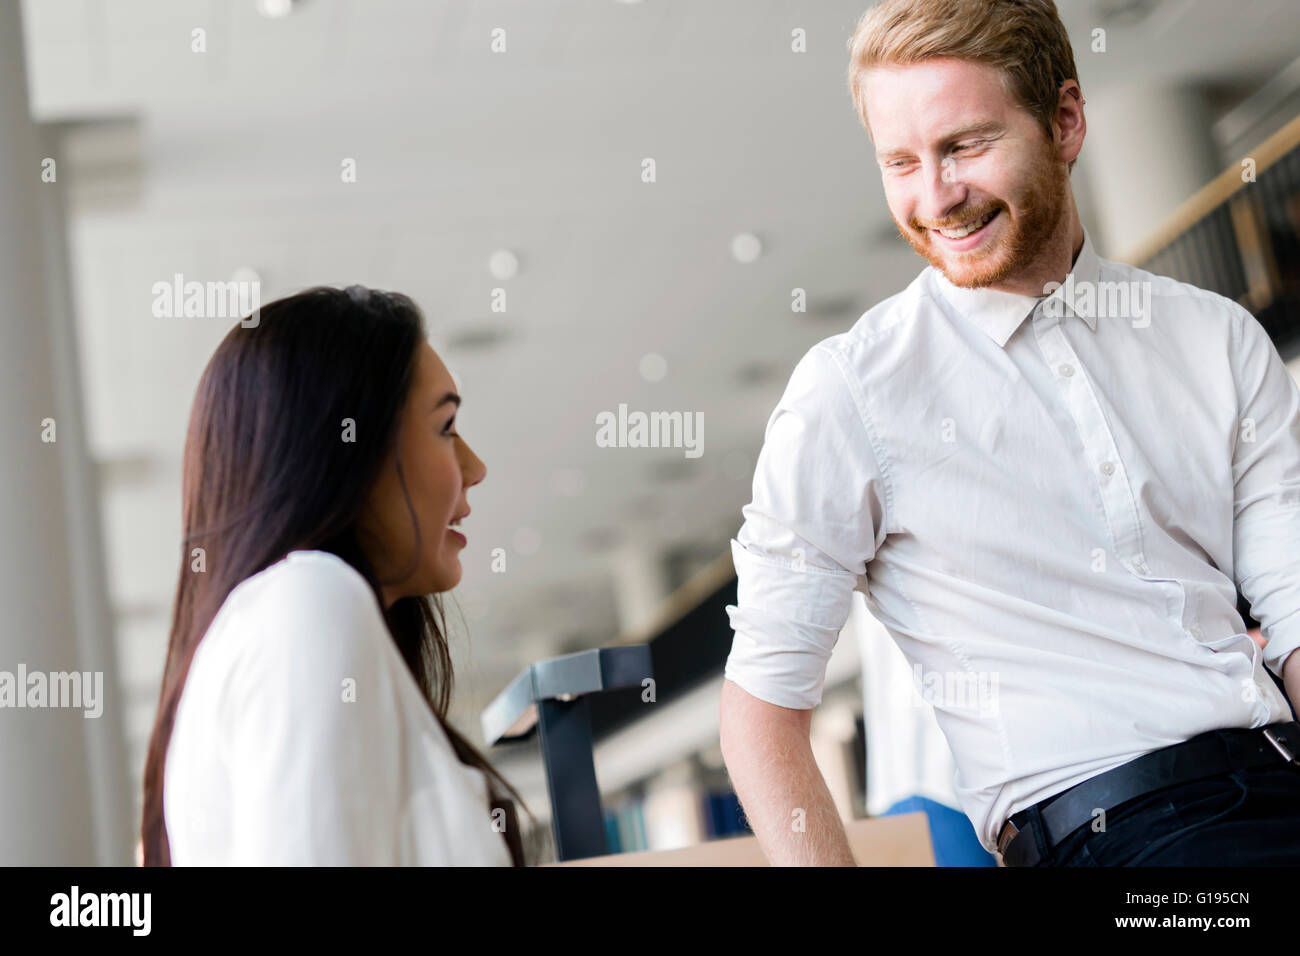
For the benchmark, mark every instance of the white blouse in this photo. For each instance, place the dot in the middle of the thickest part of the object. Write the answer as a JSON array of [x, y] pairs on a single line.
[[301, 738]]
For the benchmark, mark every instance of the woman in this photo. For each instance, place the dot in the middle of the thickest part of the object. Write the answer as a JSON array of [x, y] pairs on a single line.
[[302, 712]]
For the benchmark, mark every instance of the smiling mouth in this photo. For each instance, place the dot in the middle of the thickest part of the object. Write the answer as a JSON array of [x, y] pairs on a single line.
[[970, 228]]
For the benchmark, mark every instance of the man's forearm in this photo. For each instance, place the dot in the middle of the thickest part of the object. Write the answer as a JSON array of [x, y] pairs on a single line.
[[1291, 679], [781, 789]]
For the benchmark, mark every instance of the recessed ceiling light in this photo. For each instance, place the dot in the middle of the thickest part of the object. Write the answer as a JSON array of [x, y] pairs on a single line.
[[834, 306], [1125, 13], [476, 338], [599, 540], [746, 247], [761, 373], [503, 264], [652, 367], [275, 9], [675, 469]]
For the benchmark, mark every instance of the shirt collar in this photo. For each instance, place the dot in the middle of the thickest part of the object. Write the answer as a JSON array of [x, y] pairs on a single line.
[[998, 314]]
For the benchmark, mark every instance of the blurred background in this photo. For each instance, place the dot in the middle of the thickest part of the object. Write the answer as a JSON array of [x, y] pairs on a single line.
[[489, 160]]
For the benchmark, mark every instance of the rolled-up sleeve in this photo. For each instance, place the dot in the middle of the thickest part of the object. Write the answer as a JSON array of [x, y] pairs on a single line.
[[817, 517], [1266, 499]]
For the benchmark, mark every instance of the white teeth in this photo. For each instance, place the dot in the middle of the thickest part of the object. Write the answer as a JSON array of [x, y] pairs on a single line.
[[965, 230]]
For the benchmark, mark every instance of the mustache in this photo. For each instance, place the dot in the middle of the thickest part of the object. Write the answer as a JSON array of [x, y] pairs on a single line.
[[956, 221]]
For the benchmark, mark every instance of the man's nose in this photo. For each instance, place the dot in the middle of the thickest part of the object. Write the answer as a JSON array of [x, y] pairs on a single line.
[[944, 192]]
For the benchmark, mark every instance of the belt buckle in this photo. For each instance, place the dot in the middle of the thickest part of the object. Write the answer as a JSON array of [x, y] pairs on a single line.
[[1009, 832], [1280, 747]]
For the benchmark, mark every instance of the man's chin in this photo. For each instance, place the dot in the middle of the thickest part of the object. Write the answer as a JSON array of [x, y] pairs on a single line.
[[964, 271], [969, 275]]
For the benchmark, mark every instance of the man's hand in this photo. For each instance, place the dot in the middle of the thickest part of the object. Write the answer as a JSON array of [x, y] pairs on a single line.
[[783, 793]]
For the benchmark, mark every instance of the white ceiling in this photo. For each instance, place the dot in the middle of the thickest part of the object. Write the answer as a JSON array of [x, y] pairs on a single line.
[[461, 151]]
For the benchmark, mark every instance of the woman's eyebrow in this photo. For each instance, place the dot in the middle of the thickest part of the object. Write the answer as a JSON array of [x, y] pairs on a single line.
[[449, 397]]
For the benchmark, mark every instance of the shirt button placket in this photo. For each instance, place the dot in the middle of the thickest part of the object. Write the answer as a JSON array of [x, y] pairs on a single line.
[[1098, 442]]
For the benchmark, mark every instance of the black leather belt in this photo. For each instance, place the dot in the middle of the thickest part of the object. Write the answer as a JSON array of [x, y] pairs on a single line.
[[1204, 755]]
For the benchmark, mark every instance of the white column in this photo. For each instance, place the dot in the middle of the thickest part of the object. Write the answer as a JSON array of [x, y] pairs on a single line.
[[64, 798], [1146, 151], [640, 578]]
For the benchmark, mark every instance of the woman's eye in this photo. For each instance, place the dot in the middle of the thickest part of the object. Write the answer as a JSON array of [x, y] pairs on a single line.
[[447, 428]]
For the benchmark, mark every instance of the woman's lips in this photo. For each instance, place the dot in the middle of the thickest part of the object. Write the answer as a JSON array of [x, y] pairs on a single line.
[[458, 536]]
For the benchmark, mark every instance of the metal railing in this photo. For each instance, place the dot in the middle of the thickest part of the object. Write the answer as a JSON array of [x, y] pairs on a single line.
[[1239, 236]]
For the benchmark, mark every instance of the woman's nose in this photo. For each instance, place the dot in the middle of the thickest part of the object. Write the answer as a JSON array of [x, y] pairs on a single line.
[[471, 465]]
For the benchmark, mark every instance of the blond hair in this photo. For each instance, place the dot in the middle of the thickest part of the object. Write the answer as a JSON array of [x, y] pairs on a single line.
[[1024, 40]]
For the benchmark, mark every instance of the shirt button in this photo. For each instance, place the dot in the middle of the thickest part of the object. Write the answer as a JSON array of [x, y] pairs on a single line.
[[1139, 566], [1107, 468], [1196, 630], [1067, 369]]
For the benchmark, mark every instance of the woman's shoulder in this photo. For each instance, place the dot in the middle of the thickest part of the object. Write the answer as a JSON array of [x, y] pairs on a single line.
[[313, 586], [316, 578], [310, 608]]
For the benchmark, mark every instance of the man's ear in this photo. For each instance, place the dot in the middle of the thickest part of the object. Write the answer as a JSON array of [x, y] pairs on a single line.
[[1070, 89]]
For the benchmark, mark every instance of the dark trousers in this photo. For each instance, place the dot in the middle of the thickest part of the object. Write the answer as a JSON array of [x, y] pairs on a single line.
[[1238, 818]]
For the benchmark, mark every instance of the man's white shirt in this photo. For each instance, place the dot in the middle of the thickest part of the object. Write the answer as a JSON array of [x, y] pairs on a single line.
[[907, 755], [1050, 513]]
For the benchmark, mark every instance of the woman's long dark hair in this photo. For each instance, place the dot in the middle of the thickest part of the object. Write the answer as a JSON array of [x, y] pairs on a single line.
[[266, 473]]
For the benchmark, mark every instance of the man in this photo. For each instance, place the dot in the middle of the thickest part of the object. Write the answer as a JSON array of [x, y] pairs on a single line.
[[1049, 503]]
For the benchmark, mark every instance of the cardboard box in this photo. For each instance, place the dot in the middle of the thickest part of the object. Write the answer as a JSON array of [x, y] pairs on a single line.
[[902, 840]]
